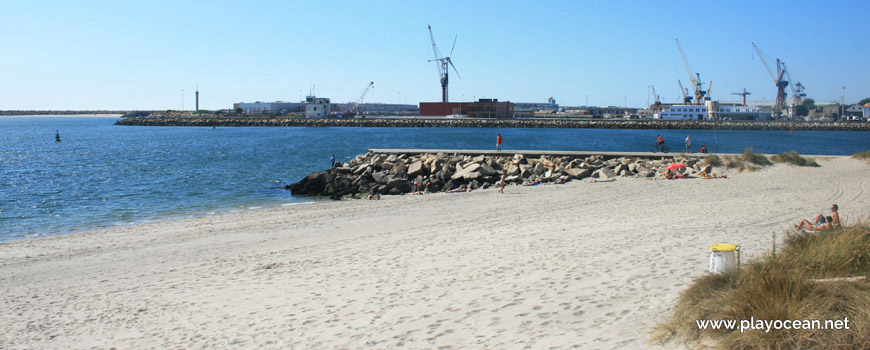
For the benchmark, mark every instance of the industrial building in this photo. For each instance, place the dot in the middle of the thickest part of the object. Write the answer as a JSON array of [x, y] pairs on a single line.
[[712, 110], [441, 109], [483, 108], [528, 109]]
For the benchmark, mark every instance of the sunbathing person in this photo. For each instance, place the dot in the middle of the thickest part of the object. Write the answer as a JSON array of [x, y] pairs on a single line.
[[826, 223]]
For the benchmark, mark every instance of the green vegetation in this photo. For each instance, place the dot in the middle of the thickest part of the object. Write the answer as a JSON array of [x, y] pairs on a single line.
[[794, 158], [814, 277], [862, 155], [712, 160], [747, 161], [864, 101]]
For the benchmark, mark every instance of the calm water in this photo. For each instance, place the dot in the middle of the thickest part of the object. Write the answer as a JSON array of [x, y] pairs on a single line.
[[103, 175]]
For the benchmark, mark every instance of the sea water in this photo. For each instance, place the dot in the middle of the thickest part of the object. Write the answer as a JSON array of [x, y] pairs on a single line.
[[103, 175]]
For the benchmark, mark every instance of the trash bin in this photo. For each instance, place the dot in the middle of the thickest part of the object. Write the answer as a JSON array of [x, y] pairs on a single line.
[[724, 257]]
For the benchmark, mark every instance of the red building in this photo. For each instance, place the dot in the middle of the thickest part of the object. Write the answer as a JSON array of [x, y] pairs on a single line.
[[440, 109], [483, 108]]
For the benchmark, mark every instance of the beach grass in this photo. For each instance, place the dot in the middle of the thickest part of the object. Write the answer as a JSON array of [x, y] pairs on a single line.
[[748, 161], [794, 158], [712, 160], [862, 155], [813, 277]]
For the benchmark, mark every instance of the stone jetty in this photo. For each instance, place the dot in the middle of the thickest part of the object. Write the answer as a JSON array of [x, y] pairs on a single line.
[[395, 172], [174, 120]]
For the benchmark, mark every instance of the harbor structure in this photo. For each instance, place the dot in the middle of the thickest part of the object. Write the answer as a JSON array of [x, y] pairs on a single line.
[[713, 110], [482, 108]]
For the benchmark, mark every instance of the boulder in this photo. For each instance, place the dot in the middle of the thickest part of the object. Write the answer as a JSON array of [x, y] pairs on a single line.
[[578, 173], [487, 170], [416, 168], [401, 184], [539, 169], [604, 173], [380, 176], [462, 173]]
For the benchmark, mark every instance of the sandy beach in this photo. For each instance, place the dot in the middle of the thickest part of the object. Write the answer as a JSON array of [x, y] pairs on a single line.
[[582, 265]]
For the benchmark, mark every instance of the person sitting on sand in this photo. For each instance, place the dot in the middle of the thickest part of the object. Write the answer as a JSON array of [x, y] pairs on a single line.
[[558, 181], [669, 175], [460, 190], [375, 195], [822, 223]]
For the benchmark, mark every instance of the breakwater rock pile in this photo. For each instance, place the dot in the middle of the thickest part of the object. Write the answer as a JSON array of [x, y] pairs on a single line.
[[173, 120], [426, 172]]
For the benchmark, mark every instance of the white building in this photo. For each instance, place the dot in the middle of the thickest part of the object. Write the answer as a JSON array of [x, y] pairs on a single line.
[[317, 107], [721, 112], [313, 107]]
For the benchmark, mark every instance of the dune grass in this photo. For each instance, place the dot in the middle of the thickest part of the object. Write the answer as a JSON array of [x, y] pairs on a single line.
[[794, 158], [748, 161], [785, 286], [712, 160], [862, 155]]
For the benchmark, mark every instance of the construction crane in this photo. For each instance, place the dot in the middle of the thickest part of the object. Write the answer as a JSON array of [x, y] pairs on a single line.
[[658, 104], [709, 91], [797, 89], [361, 97], [695, 78], [744, 93], [685, 91], [442, 64], [779, 105]]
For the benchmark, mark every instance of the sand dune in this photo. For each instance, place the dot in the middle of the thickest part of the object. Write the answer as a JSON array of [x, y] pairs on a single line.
[[589, 265]]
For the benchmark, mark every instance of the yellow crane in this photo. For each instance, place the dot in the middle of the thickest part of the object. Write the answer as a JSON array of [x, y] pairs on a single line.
[[695, 78]]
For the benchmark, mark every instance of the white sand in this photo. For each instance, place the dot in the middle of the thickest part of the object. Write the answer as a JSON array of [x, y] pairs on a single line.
[[588, 265]]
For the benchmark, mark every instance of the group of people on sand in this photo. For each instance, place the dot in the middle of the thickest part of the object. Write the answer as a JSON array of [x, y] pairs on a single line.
[[821, 222]]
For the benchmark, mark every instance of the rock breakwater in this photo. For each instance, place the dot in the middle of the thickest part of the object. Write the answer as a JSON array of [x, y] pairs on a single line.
[[162, 120], [400, 173]]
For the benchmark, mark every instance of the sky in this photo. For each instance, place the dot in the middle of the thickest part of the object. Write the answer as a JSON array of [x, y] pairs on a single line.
[[152, 55]]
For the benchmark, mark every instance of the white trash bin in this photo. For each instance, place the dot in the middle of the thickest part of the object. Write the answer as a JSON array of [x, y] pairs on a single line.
[[724, 257]]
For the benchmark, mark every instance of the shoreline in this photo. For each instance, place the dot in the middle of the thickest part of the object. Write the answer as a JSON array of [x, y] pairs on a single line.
[[491, 123], [582, 264]]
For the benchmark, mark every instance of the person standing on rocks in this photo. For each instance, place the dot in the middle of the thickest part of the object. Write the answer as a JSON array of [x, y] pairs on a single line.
[[498, 140], [688, 144], [332, 161]]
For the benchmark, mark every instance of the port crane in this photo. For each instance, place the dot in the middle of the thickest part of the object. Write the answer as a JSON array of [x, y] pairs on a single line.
[[781, 83], [695, 78], [685, 91], [658, 104], [361, 97], [744, 93], [442, 64], [797, 89]]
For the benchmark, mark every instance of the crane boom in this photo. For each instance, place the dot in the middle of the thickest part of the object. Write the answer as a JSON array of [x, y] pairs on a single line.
[[694, 78], [763, 61]]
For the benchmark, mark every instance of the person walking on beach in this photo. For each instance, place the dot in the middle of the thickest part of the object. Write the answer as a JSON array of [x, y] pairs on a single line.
[[688, 144], [498, 140], [501, 183]]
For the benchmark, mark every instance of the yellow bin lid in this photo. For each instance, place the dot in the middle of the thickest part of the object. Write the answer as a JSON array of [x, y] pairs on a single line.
[[723, 247]]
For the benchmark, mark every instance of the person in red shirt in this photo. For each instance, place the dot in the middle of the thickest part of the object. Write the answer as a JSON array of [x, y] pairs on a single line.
[[498, 141]]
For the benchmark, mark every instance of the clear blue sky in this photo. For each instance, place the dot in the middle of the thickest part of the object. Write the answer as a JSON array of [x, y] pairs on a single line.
[[141, 54]]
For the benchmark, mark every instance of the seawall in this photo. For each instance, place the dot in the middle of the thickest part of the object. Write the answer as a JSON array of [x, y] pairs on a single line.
[[494, 123], [391, 171]]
